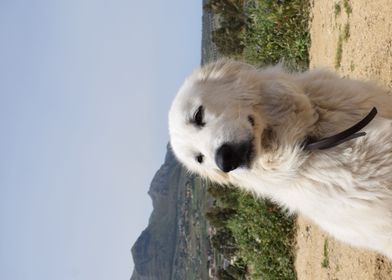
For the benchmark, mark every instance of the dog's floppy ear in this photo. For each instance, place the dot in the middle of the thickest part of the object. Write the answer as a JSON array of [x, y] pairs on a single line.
[[223, 69]]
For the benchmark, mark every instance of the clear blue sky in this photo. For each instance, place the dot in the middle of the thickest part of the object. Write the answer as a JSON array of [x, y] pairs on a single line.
[[85, 86]]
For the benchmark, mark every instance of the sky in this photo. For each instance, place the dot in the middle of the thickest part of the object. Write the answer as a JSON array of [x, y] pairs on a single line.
[[85, 87]]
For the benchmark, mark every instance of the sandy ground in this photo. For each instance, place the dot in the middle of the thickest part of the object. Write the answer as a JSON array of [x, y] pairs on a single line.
[[366, 54]]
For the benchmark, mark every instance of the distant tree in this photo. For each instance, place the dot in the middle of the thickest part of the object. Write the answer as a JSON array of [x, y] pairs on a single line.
[[232, 22], [227, 41], [224, 242], [224, 275], [238, 270], [225, 194], [226, 7], [218, 217], [218, 191]]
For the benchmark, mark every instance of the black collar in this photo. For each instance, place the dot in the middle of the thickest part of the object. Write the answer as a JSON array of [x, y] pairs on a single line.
[[346, 135]]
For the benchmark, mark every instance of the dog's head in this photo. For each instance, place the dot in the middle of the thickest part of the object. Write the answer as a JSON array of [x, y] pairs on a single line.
[[219, 122]]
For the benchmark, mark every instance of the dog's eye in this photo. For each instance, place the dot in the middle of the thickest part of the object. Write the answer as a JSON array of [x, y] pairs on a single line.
[[199, 158], [198, 117]]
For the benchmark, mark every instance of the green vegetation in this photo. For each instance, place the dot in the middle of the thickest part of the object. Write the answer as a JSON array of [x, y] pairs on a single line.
[[277, 30], [346, 31], [347, 7], [254, 232], [325, 262], [339, 52], [232, 23], [263, 31], [337, 9]]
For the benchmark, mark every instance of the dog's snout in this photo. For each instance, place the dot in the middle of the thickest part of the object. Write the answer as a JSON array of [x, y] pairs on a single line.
[[230, 156]]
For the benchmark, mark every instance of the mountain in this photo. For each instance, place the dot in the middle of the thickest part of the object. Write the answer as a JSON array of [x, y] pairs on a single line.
[[154, 250], [175, 245]]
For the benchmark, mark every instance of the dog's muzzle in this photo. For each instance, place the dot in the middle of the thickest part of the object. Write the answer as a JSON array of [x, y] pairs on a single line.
[[230, 156]]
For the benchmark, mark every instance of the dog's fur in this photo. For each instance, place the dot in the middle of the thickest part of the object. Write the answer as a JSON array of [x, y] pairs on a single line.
[[347, 190]]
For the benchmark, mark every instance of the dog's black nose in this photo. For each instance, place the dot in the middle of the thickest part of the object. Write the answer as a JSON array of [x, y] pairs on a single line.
[[230, 156]]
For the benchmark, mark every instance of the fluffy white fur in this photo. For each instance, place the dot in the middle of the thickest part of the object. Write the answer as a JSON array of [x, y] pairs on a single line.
[[347, 190]]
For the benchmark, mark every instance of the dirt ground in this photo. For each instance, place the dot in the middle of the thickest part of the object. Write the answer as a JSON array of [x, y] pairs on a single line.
[[365, 31]]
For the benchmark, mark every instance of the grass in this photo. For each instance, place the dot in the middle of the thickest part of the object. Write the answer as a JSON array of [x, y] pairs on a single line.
[[265, 236], [343, 37], [347, 7], [337, 9], [339, 52], [346, 31], [277, 32], [325, 262]]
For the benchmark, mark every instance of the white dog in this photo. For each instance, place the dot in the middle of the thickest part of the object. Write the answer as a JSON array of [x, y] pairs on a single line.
[[252, 128]]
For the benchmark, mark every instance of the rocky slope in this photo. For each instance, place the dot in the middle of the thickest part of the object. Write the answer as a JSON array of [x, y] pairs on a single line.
[[154, 250]]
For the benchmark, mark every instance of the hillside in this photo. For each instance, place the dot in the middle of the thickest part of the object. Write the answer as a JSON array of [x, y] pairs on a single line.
[[154, 249], [172, 245]]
